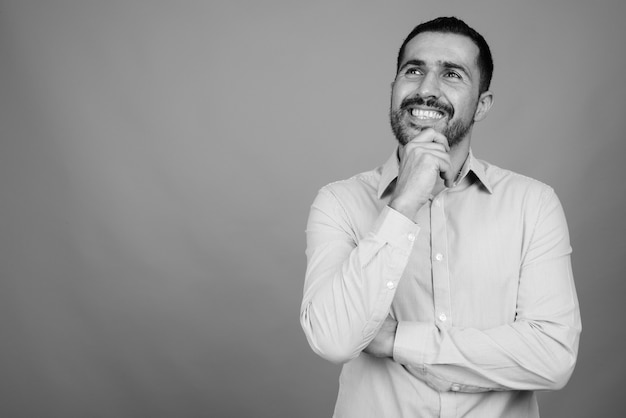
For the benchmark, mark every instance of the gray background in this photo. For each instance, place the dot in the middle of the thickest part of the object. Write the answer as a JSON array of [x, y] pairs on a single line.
[[158, 160]]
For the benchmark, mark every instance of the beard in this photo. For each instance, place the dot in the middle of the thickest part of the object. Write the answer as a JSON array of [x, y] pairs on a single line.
[[405, 131]]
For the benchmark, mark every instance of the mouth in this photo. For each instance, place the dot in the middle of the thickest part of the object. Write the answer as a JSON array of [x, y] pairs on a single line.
[[426, 114]]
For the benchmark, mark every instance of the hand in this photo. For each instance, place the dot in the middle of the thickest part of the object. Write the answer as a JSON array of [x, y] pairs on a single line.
[[382, 344], [423, 160]]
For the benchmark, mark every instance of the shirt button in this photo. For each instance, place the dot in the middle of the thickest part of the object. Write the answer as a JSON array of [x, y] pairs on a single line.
[[411, 237], [439, 257], [455, 388], [443, 317], [390, 285], [437, 202]]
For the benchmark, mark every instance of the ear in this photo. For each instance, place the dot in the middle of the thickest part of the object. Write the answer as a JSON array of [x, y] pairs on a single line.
[[484, 104]]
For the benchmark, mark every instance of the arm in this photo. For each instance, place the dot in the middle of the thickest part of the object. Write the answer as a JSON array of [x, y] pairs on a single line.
[[535, 352], [348, 287], [350, 282]]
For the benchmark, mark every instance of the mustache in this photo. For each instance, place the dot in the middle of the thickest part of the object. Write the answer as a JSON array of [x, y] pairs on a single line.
[[429, 102]]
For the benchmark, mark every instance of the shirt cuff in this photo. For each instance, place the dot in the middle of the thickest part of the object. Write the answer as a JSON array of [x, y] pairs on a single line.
[[411, 343], [396, 229]]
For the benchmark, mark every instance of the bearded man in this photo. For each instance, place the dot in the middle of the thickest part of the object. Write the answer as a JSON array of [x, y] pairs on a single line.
[[442, 283]]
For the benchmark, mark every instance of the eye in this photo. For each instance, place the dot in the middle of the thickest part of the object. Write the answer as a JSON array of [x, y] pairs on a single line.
[[413, 71], [452, 74]]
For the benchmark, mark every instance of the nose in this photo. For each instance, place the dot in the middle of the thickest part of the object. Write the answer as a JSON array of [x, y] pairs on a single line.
[[429, 86]]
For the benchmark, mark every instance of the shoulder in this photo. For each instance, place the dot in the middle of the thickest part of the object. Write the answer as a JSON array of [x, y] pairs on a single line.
[[529, 203], [350, 201], [359, 185], [347, 204], [507, 182]]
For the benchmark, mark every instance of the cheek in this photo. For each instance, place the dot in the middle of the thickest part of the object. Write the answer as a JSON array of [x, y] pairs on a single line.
[[463, 108], [398, 93]]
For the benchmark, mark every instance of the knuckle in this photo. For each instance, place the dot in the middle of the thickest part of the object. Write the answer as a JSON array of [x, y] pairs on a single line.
[[429, 158]]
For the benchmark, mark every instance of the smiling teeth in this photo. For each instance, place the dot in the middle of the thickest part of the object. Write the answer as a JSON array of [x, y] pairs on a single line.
[[426, 114]]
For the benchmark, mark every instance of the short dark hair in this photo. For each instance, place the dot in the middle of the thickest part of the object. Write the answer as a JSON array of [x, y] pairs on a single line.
[[457, 26]]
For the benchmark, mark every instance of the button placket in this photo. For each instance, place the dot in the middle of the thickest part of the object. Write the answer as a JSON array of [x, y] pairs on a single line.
[[440, 271]]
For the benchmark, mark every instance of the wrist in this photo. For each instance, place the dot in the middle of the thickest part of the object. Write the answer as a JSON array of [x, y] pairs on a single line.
[[408, 208]]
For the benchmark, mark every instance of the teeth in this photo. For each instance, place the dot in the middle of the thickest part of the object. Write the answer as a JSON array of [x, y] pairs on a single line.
[[426, 114]]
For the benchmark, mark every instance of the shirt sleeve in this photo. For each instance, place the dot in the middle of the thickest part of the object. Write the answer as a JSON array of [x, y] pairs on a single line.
[[350, 281], [536, 352]]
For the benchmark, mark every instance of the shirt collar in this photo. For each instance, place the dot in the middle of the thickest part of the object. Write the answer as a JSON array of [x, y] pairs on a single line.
[[478, 168], [389, 172]]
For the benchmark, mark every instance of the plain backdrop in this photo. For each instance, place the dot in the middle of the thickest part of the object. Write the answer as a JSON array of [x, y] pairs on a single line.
[[158, 160]]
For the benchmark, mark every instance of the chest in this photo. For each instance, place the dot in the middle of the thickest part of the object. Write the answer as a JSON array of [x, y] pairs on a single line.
[[464, 267]]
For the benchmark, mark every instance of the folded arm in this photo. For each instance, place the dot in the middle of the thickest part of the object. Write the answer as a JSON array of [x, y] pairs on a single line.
[[350, 281], [536, 352]]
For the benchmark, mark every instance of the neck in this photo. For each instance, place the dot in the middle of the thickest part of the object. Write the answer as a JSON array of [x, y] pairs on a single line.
[[458, 155]]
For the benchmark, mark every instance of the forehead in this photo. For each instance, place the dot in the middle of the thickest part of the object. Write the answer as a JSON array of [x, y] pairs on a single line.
[[433, 47]]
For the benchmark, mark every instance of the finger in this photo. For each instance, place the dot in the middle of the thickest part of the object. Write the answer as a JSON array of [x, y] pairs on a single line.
[[430, 135], [447, 175], [415, 151], [444, 165], [430, 153], [412, 147], [448, 181]]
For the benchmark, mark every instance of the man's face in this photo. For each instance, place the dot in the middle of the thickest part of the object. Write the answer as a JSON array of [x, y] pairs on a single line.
[[436, 87]]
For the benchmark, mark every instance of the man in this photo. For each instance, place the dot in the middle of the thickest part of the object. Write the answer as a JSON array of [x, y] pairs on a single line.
[[441, 282]]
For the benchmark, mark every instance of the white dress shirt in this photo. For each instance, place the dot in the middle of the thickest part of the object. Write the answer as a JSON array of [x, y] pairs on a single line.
[[480, 283]]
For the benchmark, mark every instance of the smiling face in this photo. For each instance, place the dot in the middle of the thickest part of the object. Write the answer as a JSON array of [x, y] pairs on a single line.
[[437, 86]]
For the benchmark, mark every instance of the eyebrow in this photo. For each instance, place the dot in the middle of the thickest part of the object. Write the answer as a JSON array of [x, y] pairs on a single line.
[[444, 64]]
